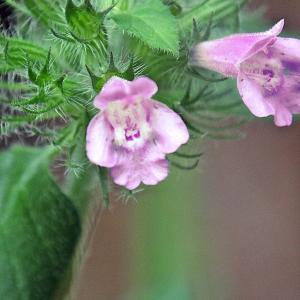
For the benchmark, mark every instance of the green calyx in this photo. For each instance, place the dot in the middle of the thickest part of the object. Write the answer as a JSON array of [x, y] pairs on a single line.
[[84, 21], [99, 80]]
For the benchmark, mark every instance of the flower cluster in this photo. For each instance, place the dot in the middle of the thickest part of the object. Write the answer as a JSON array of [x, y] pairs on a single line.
[[267, 68], [133, 133]]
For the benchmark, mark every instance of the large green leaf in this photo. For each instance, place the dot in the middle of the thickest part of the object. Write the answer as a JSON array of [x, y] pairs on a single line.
[[39, 226], [151, 22], [48, 12]]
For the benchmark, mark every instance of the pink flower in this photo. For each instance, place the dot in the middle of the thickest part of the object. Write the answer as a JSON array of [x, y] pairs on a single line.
[[133, 133], [267, 68]]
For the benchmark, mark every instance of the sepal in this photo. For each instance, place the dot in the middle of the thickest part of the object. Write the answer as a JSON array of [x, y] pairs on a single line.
[[99, 80], [84, 21]]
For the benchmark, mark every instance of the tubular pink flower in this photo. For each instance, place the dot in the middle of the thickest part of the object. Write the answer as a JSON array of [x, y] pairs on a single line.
[[133, 133], [267, 68]]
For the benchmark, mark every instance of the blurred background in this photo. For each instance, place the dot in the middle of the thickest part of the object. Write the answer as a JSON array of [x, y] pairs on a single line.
[[229, 230]]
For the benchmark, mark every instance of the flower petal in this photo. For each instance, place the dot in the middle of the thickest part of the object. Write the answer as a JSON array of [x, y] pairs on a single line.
[[170, 130], [144, 86], [295, 109], [99, 145], [283, 116], [147, 165], [288, 47], [252, 96], [131, 176], [267, 38], [114, 89], [156, 172], [125, 175], [223, 55], [133, 183]]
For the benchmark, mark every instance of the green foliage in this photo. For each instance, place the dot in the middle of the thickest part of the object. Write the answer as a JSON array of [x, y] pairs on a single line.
[[39, 226], [151, 22], [54, 62]]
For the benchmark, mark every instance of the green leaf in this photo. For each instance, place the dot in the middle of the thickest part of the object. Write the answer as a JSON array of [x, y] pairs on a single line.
[[17, 52], [47, 12], [39, 226], [219, 9], [151, 22]]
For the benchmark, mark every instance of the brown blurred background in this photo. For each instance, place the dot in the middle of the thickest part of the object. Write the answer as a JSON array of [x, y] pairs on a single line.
[[248, 209]]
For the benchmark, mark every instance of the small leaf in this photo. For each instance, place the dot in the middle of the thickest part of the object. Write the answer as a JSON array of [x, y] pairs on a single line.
[[44, 76], [45, 69], [32, 75], [151, 22], [39, 226]]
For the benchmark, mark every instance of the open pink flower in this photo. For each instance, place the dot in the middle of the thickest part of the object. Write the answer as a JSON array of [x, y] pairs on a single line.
[[133, 132], [267, 68]]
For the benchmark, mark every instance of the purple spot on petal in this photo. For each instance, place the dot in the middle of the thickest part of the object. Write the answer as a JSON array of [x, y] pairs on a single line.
[[291, 66], [137, 135], [268, 72], [296, 88]]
